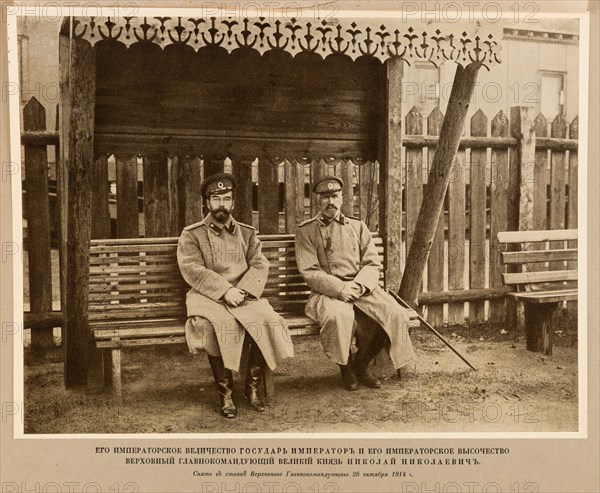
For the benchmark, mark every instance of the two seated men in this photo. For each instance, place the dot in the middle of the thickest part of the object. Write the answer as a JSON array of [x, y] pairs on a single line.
[[221, 260]]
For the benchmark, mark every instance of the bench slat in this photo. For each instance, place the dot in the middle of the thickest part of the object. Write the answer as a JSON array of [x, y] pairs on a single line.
[[130, 269], [535, 236], [169, 257], [166, 287], [539, 277], [546, 296], [534, 256]]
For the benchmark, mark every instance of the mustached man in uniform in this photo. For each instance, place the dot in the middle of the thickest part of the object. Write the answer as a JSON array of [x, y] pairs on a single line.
[[339, 262], [222, 261]]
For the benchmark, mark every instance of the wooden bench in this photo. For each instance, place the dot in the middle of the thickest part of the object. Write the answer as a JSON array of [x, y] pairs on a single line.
[[543, 278], [137, 294]]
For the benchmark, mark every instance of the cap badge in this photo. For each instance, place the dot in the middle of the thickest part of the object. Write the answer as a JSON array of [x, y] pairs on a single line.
[[220, 185], [330, 186]]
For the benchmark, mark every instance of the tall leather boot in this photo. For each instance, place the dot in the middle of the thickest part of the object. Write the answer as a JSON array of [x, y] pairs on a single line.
[[348, 377], [365, 355], [224, 381], [254, 376]]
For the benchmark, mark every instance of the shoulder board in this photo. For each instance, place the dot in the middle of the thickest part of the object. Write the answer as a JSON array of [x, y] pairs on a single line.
[[355, 218], [195, 225], [246, 226], [308, 221]]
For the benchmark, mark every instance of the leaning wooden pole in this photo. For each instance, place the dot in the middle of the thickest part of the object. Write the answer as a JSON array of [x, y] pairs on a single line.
[[439, 177]]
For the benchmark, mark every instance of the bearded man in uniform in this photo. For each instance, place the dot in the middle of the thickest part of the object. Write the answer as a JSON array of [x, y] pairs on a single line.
[[222, 261], [337, 257]]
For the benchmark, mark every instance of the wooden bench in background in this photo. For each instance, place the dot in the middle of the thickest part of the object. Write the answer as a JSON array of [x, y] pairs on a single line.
[[137, 294], [543, 278]]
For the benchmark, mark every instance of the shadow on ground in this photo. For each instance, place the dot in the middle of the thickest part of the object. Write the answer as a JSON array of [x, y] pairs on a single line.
[[167, 390]]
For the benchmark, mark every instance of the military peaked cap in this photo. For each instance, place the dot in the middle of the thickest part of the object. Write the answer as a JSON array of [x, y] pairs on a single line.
[[328, 185], [218, 183]]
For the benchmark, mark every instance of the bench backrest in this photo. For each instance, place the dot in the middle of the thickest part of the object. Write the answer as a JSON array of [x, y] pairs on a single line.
[[531, 264], [141, 277]]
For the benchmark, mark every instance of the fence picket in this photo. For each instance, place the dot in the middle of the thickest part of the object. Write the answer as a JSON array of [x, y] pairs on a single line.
[[498, 214], [318, 170], [242, 170], [191, 178], [540, 196], [558, 173], [345, 170], [38, 223], [456, 237], [414, 174], [573, 188], [294, 194], [127, 197], [268, 196], [477, 217], [156, 196], [368, 194]]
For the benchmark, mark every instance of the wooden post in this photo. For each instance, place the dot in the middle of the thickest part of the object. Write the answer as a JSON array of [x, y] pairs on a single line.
[[538, 319], [38, 225], [99, 361], [390, 169], [439, 176], [521, 127], [78, 65], [62, 184]]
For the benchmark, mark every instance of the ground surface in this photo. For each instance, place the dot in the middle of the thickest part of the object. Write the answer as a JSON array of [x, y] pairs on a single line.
[[167, 390]]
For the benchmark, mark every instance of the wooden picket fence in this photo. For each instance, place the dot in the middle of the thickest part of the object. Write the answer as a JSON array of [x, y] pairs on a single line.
[[136, 194]]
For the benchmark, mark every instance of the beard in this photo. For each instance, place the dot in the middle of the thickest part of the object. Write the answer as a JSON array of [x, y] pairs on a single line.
[[221, 214], [330, 211]]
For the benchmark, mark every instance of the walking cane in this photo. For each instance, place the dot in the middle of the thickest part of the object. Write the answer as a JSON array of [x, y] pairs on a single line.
[[404, 304]]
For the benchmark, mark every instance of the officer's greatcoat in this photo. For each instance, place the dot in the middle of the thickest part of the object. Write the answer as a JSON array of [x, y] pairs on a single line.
[[331, 253], [213, 258]]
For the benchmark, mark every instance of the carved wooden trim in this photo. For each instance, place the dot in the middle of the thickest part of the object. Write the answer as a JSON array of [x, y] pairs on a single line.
[[370, 38]]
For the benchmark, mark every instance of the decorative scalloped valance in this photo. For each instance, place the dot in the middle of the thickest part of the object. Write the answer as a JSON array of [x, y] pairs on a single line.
[[377, 38]]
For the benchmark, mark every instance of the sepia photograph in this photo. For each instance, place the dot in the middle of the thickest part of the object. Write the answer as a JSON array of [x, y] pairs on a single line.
[[298, 220]]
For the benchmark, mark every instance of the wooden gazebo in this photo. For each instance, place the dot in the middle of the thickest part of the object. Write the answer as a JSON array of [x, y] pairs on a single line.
[[181, 94]]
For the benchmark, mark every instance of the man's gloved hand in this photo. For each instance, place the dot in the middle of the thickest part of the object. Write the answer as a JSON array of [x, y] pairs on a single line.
[[234, 297]]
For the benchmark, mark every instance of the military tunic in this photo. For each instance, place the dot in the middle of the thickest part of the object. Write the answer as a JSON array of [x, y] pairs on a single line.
[[332, 253], [213, 258]]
